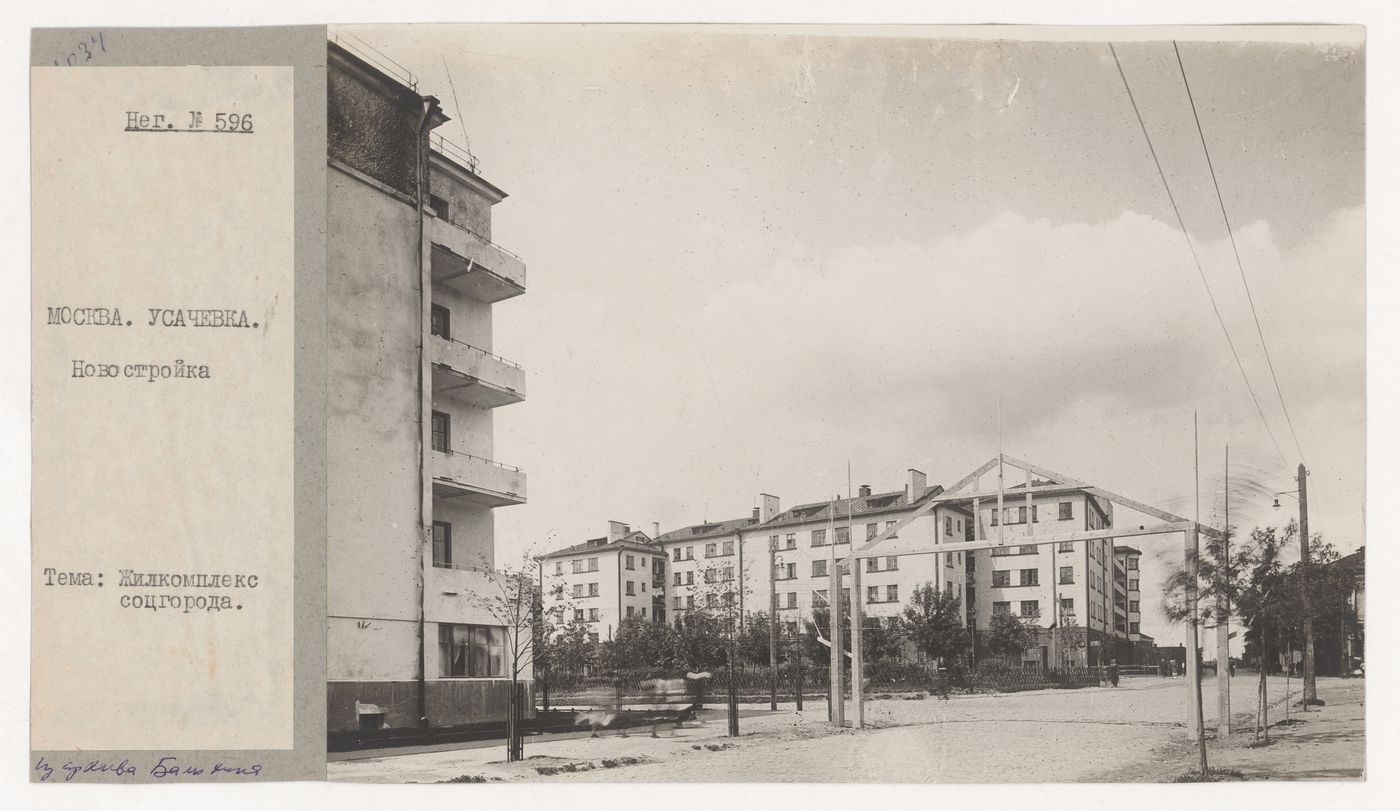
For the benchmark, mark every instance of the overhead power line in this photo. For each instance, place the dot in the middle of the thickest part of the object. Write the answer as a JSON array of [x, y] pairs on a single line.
[[1194, 256], [1236, 248]]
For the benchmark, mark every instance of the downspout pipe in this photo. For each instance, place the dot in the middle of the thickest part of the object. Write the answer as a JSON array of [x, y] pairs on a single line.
[[424, 520]]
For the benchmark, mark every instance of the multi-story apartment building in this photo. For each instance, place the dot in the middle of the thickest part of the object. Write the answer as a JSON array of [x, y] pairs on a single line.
[[1127, 603], [604, 580], [707, 566], [413, 280], [1066, 589]]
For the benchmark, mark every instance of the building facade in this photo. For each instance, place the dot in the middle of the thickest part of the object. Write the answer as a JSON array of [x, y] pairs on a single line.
[[413, 280], [603, 581]]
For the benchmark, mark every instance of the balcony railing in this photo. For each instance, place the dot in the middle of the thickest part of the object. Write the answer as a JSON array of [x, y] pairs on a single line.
[[477, 478], [459, 154], [478, 350], [372, 55], [464, 455]]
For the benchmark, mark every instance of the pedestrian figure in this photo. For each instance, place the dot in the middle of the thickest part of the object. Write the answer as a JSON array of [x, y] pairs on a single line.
[[1113, 672]]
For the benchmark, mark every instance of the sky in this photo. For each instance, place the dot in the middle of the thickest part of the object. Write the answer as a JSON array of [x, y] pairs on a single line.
[[758, 257]]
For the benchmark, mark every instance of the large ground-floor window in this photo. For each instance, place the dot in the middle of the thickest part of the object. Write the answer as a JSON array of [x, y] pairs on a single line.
[[473, 651]]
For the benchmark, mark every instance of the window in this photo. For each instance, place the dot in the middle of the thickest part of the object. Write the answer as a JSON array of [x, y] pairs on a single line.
[[1133, 584], [676, 554], [644, 586], [630, 563], [818, 537], [872, 594], [1066, 510], [892, 593], [948, 560], [440, 322], [580, 590], [819, 568], [578, 615], [631, 589], [1134, 627], [690, 553], [678, 578], [442, 544], [889, 525], [576, 565], [690, 578], [728, 572], [819, 598], [442, 432], [711, 575], [1035, 513], [1001, 609], [592, 589], [1134, 607], [711, 600], [711, 550], [472, 651], [947, 526], [995, 520], [690, 601], [1067, 546], [999, 551], [1030, 608], [644, 611], [676, 603], [892, 563], [871, 530], [1132, 563], [1030, 577], [792, 599], [1028, 550], [872, 564], [843, 535], [592, 564], [790, 542], [438, 206], [592, 615], [1001, 578], [1067, 606], [1020, 515], [1066, 575], [593, 638], [773, 542], [728, 548], [631, 610]]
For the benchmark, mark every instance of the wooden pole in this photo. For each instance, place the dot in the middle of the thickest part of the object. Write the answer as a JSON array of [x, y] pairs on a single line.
[[1309, 671], [857, 650], [837, 689], [773, 625], [1195, 714], [1222, 623]]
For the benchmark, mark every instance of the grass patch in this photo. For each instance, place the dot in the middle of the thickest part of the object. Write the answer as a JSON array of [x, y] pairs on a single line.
[[472, 778], [1212, 776]]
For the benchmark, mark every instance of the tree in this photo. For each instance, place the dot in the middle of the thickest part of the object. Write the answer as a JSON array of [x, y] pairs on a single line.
[[639, 644], [932, 620], [700, 641], [754, 640], [1008, 637]]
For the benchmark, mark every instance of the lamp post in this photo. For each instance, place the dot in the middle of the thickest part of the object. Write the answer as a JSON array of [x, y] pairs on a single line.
[[774, 560], [1309, 671]]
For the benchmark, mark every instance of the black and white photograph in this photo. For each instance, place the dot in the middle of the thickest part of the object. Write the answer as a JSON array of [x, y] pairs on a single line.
[[834, 404]]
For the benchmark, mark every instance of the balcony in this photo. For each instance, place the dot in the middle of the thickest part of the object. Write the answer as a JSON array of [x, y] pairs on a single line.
[[476, 480], [474, 375], [454, 592], [464, 260]]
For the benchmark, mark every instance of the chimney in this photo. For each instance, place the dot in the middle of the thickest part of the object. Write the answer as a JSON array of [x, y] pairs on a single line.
[[617, 530], [918, 483], [865, 490], [769, 507], [655, 530]]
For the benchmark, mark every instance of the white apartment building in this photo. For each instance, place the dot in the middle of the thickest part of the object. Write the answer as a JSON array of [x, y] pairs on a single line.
[[602, 581], [709, 565]]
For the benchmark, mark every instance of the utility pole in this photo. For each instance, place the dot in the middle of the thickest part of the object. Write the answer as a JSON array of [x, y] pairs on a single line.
[[1195, 722], [773, 624], [837, 689], [1309, 674], [1222, 624]]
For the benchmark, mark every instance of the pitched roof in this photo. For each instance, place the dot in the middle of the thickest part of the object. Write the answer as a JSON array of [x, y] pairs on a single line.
[[707, 530], [854, 507], [635, 541]]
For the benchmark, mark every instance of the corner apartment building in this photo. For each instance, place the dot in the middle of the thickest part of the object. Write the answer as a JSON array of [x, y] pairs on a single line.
[[708, 565], [1068, 587], [413, 279], [1127, 604], [604, 580]]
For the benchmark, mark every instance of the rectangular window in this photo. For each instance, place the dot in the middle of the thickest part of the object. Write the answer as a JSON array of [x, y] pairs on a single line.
[[441, 322], [644, 611], [1001, 578], [678, 578], [1030, 577], [690, 601], [631, 610], [578, 615], [1067, 546], [819, 598], [1133, 585], [947, 526], [889, 525], [1028, 550], [631, 589], [1066, 510], [711, 600], [690, 578], [472, 651], [727, 548], [872, 564], [1020, 515], [1066, 575], [676, 554], [631, 564], [592, 615], [1132, 564], [792, 599], [773, 542], [580, 590], [892, 593], [592, 564], [871, 530], [1030, 608], [843, 535], [1067, 606], [892, 563], [1134, 607], [1001, 608], [676, 603], [710, 575], [442, 432], [728, 572], [1134, 628], [1035, 513], [690, 553], [872, 594], [996, 520], [592, 589], [791, 540], [1000, 551], [558, 567], [818, 537], [710, 550], [438, 206], [442, 544], [819, 568]]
